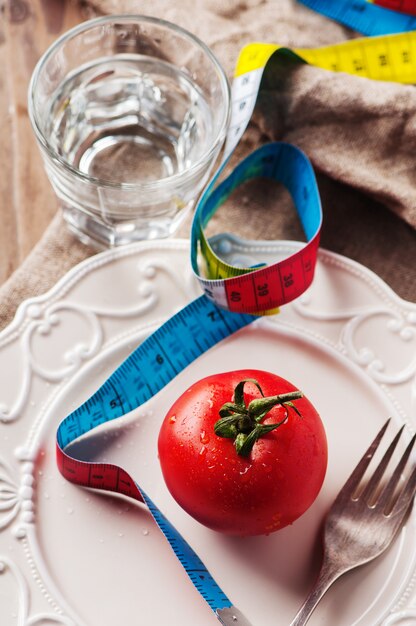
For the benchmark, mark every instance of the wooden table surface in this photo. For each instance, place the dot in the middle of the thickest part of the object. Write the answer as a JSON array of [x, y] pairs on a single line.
[[27, 28]]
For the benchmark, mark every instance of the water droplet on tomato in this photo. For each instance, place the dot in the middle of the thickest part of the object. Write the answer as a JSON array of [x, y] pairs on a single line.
[[204, 437], [202, 451], [245, 474], [172, 419]]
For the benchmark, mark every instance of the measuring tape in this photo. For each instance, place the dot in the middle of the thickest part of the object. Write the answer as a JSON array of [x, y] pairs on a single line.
[[231, 295], [164, 354], [365, 17], [404, 6], [263, 290]]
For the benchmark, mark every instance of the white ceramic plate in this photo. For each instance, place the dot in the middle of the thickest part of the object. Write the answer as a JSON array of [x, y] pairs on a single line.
[[71, 556]]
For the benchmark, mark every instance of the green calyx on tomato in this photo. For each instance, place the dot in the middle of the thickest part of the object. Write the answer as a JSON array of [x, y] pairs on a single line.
[[243, 423]]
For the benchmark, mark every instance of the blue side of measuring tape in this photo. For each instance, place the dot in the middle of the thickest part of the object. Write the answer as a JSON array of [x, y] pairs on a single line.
[[364, 17], [190, 561], [283, 163], [280, 161], [162, 356], [184, 337]]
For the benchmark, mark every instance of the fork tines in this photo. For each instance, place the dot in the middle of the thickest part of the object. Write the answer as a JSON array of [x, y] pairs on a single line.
[[375, 494]]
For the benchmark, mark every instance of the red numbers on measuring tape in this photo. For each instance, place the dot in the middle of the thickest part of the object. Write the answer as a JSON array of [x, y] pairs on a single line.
[[270, 287]]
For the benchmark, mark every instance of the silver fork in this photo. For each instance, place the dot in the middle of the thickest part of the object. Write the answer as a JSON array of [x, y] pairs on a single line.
[[360, 527]]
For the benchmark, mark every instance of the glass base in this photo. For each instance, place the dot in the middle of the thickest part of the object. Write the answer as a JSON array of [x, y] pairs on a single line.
[[94, 232]]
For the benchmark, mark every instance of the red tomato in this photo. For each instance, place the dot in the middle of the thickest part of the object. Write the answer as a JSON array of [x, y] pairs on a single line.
[[272, 483]]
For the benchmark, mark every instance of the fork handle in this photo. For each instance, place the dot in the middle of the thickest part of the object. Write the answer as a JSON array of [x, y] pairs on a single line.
[[327, 576]]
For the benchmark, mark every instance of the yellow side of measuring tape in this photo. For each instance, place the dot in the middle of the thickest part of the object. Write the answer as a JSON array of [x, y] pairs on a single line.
[[389, 57]]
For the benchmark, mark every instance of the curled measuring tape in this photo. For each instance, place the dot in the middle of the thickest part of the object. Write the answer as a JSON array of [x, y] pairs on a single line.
[[366, 17], [172, 347], [206, 321], [263, 290], [247, 289]]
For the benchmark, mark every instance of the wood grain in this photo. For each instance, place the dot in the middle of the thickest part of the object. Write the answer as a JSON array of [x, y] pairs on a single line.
[[28, 203]]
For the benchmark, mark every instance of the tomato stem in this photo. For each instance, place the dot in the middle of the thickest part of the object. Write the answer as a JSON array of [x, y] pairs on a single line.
[[242, 423], [258, 408]]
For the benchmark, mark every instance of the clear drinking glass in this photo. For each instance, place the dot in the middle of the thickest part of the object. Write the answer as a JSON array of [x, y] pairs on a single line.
[[130, 113]]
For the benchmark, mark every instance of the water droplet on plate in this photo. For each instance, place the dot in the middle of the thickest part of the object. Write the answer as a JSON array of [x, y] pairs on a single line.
[[145, 532]]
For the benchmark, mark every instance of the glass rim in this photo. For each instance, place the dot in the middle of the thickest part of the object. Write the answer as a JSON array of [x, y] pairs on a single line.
[[145, 185]]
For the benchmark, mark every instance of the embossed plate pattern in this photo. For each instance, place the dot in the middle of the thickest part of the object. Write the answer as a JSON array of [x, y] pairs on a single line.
[[69, 556]]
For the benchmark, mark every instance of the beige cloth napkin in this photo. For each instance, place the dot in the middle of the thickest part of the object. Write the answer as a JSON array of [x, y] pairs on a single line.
[[359, 134]]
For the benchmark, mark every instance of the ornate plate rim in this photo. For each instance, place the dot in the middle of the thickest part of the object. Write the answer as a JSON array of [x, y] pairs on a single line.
[[23, 317]]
